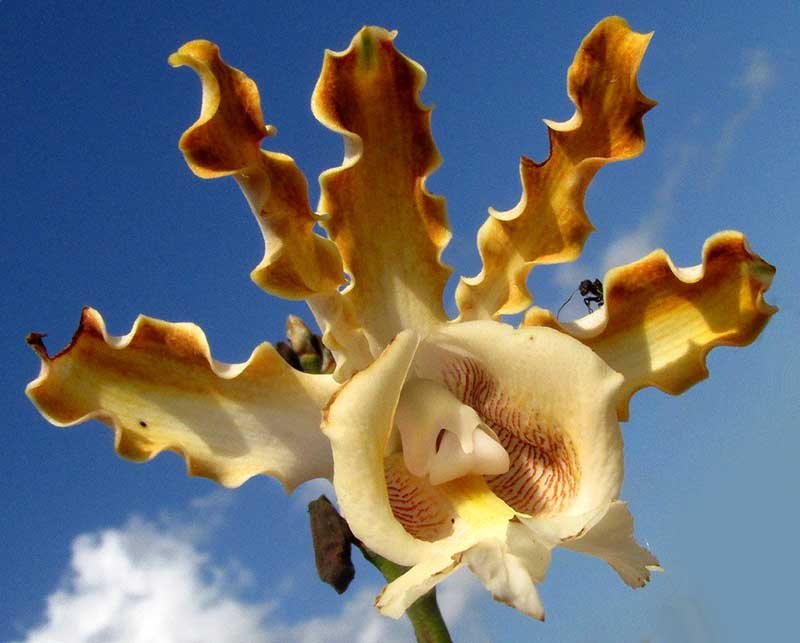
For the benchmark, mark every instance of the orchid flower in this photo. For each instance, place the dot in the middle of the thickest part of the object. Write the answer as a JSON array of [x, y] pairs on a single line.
[[450, 442]]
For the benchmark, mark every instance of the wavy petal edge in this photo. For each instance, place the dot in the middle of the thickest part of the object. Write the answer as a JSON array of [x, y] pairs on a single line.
[[188, 342], [549, 224], [719, 302]]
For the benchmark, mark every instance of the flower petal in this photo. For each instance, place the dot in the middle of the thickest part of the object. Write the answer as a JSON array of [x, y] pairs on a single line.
[[611, 539], [549, 224], [226, 136], [159, 388], [357, 422], [549, 400], [505, 576], [481, 517], [341, 333], [533, 554], [398, 595], [389, 229], [388, 509], [225, 140], [423, 510], [659, 322]]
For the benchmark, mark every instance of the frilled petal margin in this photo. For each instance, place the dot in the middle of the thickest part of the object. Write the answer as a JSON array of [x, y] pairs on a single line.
[[549, 224], [389, 229], [659, 322], [159, 388], [225, 141]]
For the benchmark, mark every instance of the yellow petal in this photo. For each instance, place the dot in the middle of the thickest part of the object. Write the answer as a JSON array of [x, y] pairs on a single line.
[[159, 388], [226, 136], [389, 229], [225, 140], [549, 224], [659, 322]]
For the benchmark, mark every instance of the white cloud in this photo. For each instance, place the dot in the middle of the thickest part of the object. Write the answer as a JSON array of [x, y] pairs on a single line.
[[758, 75], [457, 597], [142, 584], [756, 79], [152, 583], [631, 246]]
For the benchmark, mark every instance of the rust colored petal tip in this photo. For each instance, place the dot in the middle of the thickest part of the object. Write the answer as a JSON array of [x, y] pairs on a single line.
[[159, 389], [660, 321], [226, 137], [549, 224]]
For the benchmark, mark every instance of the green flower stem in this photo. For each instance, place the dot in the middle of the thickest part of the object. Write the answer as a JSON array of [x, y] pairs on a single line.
[[429, 626]]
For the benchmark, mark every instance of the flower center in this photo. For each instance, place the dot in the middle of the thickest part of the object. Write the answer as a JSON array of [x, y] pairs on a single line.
[[444, 439], [544, 473]]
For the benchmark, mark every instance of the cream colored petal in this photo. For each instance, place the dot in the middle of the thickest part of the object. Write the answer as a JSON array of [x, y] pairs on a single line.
[[159, 389], [341, 333], [357, 422], [505, 576], [225, 141], [549, 400], [659, 322], [533, 554], [423, 510], [479, 517], [550, 531], [389, 229], [549, 224], [611, 539], [398, 595]]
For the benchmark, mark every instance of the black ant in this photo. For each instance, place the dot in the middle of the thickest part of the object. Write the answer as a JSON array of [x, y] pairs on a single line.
[[592, 292]]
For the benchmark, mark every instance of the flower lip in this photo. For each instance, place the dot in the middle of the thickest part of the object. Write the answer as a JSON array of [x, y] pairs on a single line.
[[444, 438], [530, 389]]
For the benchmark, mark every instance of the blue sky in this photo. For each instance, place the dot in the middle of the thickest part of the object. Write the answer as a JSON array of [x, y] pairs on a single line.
[[100, 209]]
